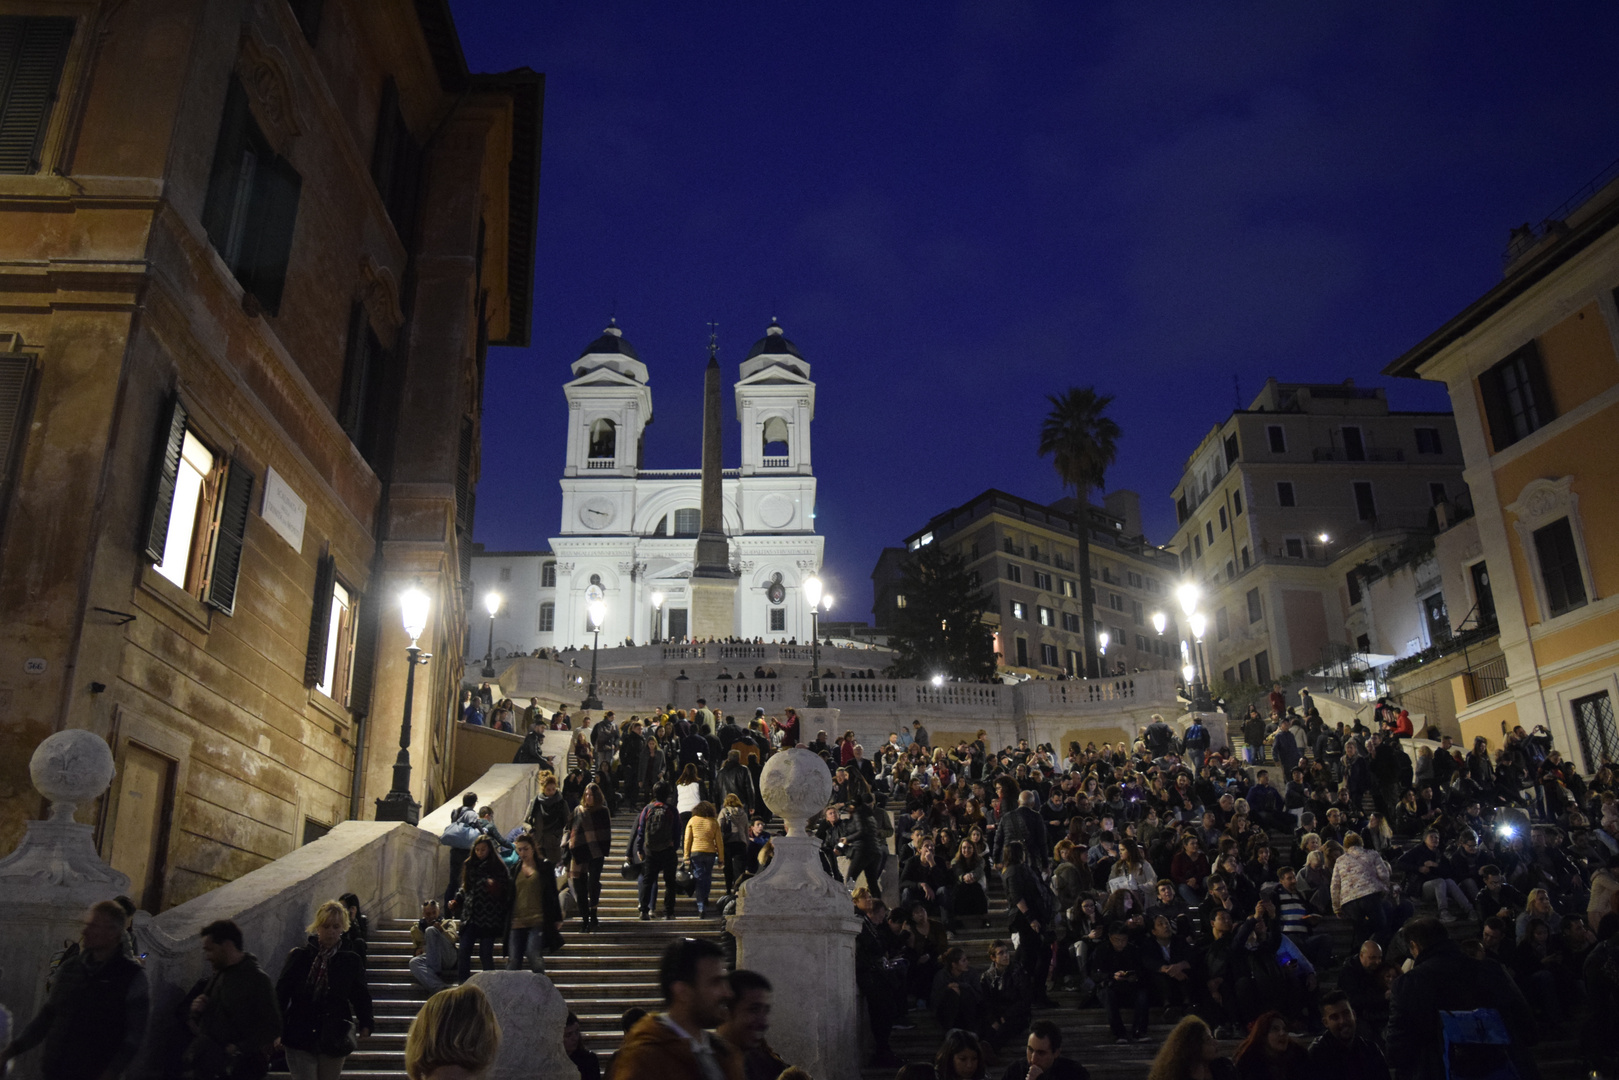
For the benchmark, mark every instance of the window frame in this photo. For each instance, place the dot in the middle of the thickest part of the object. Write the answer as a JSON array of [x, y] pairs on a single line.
[[1291, 499], [1356, 487], [1276, 433]]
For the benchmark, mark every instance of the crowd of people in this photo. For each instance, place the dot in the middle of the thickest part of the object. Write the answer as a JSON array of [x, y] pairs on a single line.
[[1324, 899]]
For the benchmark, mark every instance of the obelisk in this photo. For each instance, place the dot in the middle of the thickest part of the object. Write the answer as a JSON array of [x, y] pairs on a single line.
[[713, 585]]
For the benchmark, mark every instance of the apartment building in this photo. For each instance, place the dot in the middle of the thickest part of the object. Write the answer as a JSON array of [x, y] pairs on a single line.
[[1025, 554], [1532, 368], [252, 256], [1285, 506]]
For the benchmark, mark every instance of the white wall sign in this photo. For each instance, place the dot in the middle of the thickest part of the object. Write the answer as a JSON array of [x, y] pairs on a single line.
[[284, 510], [34, 665]]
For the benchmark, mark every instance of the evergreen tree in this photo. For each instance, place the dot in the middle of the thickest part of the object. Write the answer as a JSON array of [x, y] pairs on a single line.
[[1082, 443], [941, 630]]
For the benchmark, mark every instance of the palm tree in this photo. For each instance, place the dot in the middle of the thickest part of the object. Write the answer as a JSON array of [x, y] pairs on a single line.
[[1082, 443]]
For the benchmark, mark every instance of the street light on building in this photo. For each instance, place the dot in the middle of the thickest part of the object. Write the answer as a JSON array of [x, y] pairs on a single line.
[[1160, 622], [596, 607], [657, 617], [492, 602], [813, 596], [398, 805], [1189, 594], [1101, 642]]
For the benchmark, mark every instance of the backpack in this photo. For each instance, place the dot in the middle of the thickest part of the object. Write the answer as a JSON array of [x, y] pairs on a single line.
[[659, 832]]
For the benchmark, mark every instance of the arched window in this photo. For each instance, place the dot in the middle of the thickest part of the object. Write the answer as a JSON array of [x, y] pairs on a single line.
[[775, 436], [603, 439]]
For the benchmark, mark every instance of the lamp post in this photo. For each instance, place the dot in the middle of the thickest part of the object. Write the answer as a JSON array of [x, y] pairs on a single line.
[[1160, 621], [598, 614], [813, 594], [397, 805], [657, 617], [492, 602], [1188, 595], [1101, 642]]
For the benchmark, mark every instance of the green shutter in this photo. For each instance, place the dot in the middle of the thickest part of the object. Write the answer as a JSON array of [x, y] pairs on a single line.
[[365, 655], [274, 217], [227, 564], [166, 468], [16, 373], [32, 49], [351, 409], [320, 620]]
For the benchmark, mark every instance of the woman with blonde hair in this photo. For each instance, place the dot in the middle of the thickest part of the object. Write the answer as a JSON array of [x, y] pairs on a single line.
[[325, 1004], [1538, 905], [1190, 1052], [703, 845], [455, 1036]]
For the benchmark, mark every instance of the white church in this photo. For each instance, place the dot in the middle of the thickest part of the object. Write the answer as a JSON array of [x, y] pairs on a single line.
[[632, 532]]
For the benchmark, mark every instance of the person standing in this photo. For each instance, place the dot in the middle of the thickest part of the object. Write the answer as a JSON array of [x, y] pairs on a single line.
[[632, 761], [702, 846], [485, 898], [100, 990], [590, 835], [235, 1020], [548, 818], [746, 1024], [324, 1001], [466, 816], [654, 846], [536, 922], [675, 1044]]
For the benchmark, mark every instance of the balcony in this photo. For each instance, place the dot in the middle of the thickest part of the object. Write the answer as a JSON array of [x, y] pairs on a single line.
[[601, 463], [1336, 453], [1012, 549], [775, 463], [1484, 681]]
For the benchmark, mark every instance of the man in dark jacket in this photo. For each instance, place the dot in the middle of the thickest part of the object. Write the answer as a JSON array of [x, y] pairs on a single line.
[[1121, 981], [1445, 980], [1286, 747], [235, 1020], [1158, 736], [94, 1020], [1342, 1052], [1023, 824], [1040, 1059], [632, 760], [735, 779]]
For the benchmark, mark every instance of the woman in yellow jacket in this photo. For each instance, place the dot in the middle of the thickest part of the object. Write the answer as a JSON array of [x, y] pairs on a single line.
[[704, 847]]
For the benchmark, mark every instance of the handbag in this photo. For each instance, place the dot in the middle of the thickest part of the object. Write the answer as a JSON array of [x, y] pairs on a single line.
[[630, 870], [458, 834], [338, 1037], [684, 883]]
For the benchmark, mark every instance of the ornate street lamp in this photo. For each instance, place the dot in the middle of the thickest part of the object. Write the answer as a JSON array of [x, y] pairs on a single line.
[[398, 805], [1199, 623], [813, 594], [657, 617], [1101, 642], [1159, 622], [597, 609], [492, 602]]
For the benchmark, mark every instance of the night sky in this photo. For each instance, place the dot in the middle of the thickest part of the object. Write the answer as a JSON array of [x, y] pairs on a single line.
[[956, 210]]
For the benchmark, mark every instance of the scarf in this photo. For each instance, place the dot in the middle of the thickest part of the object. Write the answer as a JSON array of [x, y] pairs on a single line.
[[317, 970]]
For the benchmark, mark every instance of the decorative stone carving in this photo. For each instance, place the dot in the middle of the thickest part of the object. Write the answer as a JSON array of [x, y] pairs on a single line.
[[1542, 500], [531, 1014], [797, 786], [265, 74], [379, 292], [71, 767]]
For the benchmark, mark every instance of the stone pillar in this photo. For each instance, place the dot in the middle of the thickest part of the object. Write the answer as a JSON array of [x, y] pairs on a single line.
[[531, 1014], [54, 875], [796, 926]]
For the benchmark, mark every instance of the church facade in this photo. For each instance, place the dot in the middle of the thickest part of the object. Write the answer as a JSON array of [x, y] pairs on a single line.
[[632, 532]]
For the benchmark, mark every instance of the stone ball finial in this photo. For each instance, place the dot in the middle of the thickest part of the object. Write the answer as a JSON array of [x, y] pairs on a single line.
[[71, 767], [796, 785]]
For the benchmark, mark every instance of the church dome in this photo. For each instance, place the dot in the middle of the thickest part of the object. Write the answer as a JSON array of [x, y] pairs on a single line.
[[774, 343], [611, 343]]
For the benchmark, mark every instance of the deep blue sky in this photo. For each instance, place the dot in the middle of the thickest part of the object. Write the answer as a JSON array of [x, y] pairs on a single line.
[[957, 209]]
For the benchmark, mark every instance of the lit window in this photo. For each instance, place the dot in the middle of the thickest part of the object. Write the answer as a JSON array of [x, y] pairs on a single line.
[[339, 652], [192, 494], [1018, 610], [1067, 587], [899, 599], [1046, 616]]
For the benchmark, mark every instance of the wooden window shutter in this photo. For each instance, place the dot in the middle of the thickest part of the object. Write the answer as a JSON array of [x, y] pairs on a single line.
[[320, 620], [166, 468], [351, 410], [227, 561], [235, 129], [32, 49], [275, 217], [365, 655], [1535, 368], [464, 497], [16, 378]]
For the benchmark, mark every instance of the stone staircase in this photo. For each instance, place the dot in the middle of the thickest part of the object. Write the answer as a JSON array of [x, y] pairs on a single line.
[[599, 974]]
